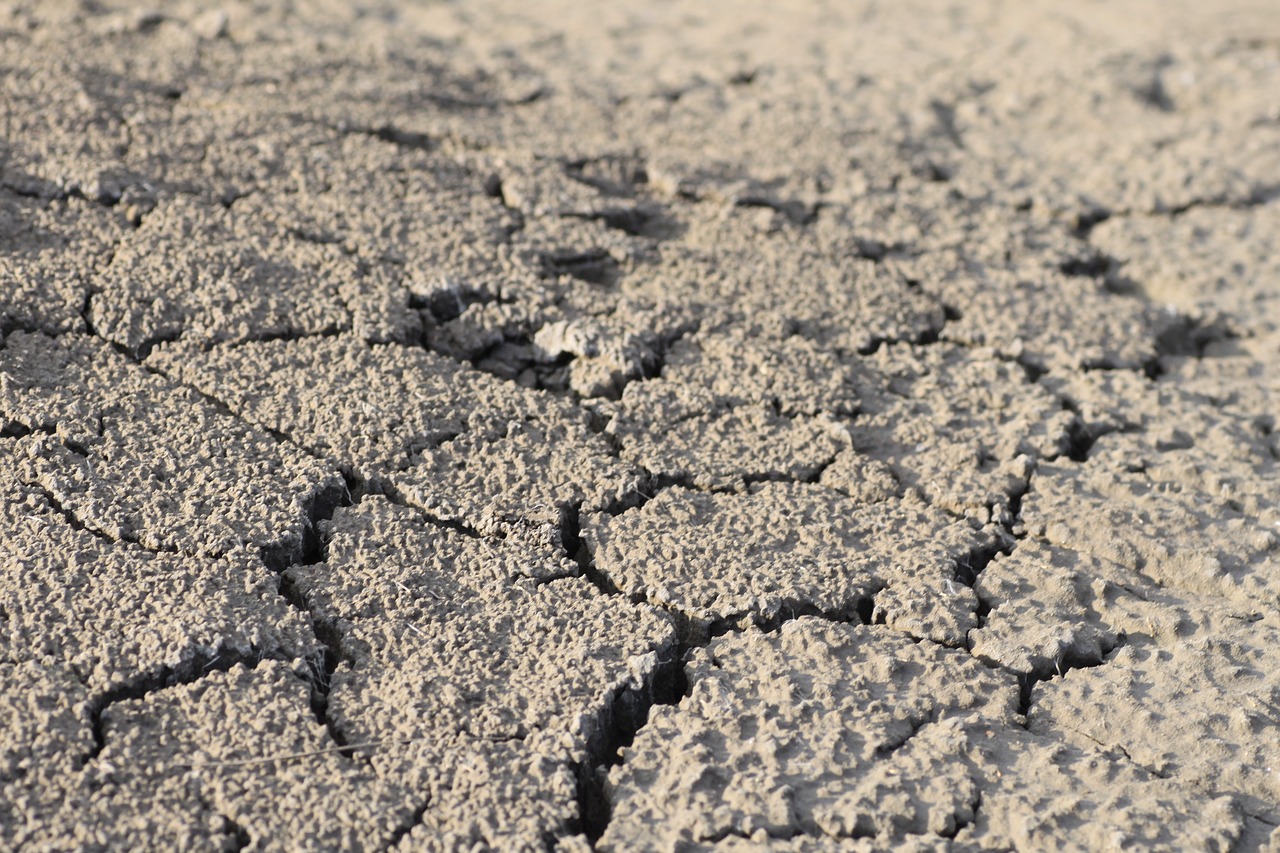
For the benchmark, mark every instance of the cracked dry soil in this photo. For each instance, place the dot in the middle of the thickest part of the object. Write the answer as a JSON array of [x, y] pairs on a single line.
[[640, 426]]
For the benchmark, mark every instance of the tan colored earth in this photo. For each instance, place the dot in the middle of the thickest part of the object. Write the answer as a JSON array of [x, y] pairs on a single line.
[[669, 425]]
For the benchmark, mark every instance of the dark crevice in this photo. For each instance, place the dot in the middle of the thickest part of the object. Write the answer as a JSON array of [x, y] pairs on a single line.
[[797, 212], [969, 567], [372, 486], [288, 335], [315, 238], [627, 708], [459, 102], [1080, 441], [144, 348], [857, 611], [1153, 94], [612, 175], [594, 265], [625, 713], [450, 302], [914, 727], [319, 508], [108, 197], [945, 115], [962, 822], [404, 138], [13, 429], [313, 551], [1184, 335], [360, 486], [871, 249], [649, 221], [1034, 371], [771, 832], [1068, 661], [1095, 264], [408, 825], [74, 521], [240, 837], [86, 311], [515, 358], [1088, 219]]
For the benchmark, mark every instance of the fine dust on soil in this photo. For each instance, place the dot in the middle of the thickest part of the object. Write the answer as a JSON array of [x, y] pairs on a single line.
[[642, 426]]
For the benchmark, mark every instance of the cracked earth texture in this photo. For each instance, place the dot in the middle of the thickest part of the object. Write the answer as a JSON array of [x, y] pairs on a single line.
[[639, 426]]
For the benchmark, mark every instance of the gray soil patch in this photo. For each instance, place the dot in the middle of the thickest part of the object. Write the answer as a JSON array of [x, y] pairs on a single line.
[[639, 426]]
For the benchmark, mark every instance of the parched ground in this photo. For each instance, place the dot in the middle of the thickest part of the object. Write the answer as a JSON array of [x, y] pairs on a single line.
[[665, 425]]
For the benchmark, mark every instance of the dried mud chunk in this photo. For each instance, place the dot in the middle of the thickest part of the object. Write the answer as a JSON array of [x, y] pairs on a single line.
[[435, 240], [170, 772], [608, 353], [1043, 318], [441, 643], [1195, 454], [551, 188], [323, 801], [737, 367], [114, 612], [1104, 400], [456, 442], [69, 114], [366, 408], [1039, 793], [210, 484], [765, 741], [847, 303], [200, 272], [865, 480], [1053, 608], [1182, 435], [513, 472], [728, 408], [723, 448], [213, 484], [1207, 261], [1162, 129], [42, 717], [50, 253], [1195, 540], [492, 796], [785, 548], [1200, 708], [837, 732], [1235, 377], [964, 431]]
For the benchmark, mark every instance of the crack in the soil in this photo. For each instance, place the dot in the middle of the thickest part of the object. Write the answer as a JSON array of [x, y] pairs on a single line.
[[626, 709], [315, 550], [915, 726], [408, 824], [975, 805], [1066, 662], [73, 520]]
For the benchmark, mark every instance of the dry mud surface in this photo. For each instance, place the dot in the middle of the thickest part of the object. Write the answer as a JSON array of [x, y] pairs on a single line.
[[643, 426]]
